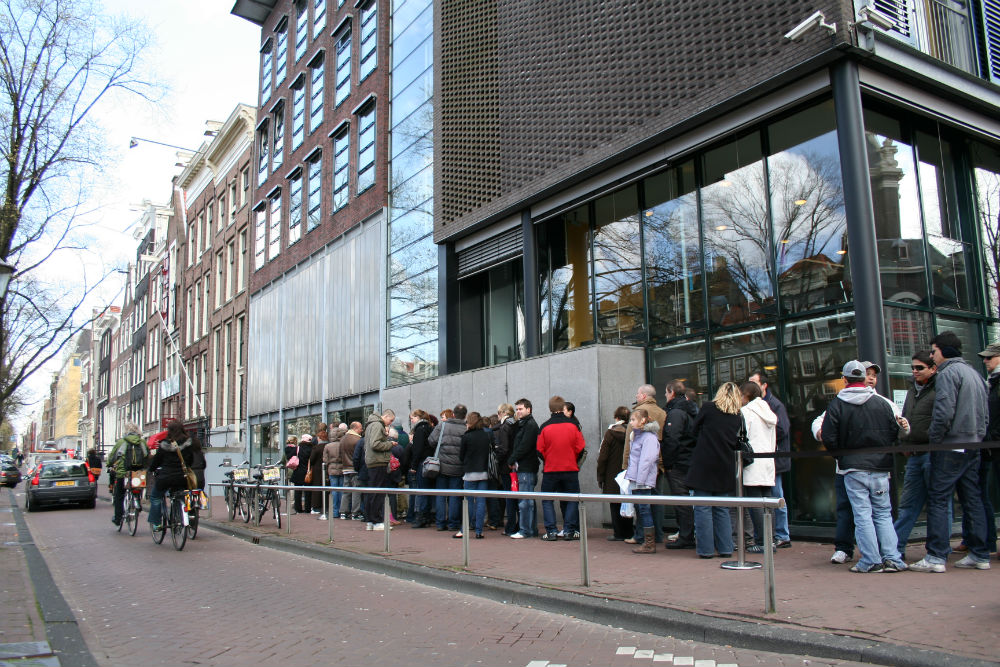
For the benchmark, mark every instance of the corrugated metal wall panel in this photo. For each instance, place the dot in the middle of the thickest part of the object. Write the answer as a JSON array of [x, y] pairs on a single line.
[[263, 363]]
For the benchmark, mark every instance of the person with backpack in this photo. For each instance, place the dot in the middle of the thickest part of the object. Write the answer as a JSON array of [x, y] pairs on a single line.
[[177, 451], [129, 454], [677, 447]]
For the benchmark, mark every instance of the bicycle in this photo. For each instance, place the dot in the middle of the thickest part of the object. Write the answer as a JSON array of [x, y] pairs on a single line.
[[175, 519], [194, 502], [237, 498], [268, 497], [134, 483]]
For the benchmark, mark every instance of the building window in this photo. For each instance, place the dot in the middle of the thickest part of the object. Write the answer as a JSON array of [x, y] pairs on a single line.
[[260, 238], [245, 179], [197, 311], [369, 41], [319, 17], [343, 67], [301, 28], [265, 72], [263, 148], [295, 207], [242, 263], [219, 266], [316, 92], [298, 112], [274, 228], [366, 148], [204, 305], [315, 191], [278, 138], [189, 320], [191, 243], [202, 238], [222, 212], [281, 52], [232, 202], [230, 265], [210, 220], [341, 159]]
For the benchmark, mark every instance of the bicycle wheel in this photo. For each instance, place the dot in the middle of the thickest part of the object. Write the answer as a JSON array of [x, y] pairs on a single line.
[[276, 507], [158, 535], [231, 501], [192, 527], [132, 510], [125, 519], [243, 500], [178, 531]]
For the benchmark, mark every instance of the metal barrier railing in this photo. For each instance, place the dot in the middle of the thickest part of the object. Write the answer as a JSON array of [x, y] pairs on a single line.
[[768, 505]]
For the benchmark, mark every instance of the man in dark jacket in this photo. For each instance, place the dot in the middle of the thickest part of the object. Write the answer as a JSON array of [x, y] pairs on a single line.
[[782, 538], [524, 461], [678, 443], [378, 449], [559, 445], [959, 417], [351, 504], [853, 421], [989, 459], [450, 432]]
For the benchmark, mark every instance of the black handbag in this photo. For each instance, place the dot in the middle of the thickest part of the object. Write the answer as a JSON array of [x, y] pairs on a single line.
[[431, 467], [743, 443]]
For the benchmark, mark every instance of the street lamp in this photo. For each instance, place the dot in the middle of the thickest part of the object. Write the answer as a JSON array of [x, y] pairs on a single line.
[[6, 273]]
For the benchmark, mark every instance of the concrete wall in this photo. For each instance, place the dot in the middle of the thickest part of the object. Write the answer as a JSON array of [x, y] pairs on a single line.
[[597, 378]]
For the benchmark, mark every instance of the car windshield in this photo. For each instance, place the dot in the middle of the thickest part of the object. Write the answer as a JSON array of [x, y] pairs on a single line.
[[63, 470]]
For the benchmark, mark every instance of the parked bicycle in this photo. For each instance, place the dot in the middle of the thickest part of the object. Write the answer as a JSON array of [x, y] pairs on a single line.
[[237, 498], [264, 496], [176, 518], [135, 484]]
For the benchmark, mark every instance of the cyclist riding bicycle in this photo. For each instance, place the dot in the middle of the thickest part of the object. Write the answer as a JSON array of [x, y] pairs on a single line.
[[169, 473], [118, 469]]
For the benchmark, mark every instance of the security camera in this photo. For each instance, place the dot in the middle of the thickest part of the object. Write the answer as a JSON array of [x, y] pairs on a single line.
[[817, 19], [876, 18]]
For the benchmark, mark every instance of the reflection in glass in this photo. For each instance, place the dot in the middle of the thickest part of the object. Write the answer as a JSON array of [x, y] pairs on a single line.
[[966, 330], [411, 261], [417, 292], [986, 172], [815, 352], [674, 287], [409, 225], [807, 206], [685, 362], [737, 354], [618, 268], [564, 281], [898, 231], [412, 364], [491, 317], [413, 328], [737, 234]]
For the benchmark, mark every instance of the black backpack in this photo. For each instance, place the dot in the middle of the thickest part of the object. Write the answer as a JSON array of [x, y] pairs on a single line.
[[134, 457]]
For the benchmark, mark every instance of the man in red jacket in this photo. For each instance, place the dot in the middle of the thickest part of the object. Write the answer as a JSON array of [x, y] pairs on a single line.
[[559, 444]]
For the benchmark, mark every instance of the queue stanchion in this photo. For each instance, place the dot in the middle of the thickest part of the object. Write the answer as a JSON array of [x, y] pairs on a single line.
[[584, 555], [465, 531], [770, 602], [386, 521], [741, 563], [331, 516]]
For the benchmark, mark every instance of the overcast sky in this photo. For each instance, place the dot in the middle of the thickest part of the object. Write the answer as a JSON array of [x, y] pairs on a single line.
[[206, 59]]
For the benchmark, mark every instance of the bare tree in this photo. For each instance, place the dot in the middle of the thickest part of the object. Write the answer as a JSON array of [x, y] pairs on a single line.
[[59, 61]]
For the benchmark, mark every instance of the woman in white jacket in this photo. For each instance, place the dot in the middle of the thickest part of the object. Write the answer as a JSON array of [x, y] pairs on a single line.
[[758, 477]]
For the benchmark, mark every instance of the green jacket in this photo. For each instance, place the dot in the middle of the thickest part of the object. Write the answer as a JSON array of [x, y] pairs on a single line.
[[377, 443], [116, 459]]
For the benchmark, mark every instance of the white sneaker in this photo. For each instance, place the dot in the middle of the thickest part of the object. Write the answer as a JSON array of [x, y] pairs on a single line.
[[970, 563], [322, 517], [369, 526], [923, 565], [561, 533], [379, 526], [673, 537], [517, 536], [314, 511], [839, 557]]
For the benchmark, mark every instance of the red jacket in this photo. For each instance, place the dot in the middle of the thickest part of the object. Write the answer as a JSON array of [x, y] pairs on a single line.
[[560, 443]]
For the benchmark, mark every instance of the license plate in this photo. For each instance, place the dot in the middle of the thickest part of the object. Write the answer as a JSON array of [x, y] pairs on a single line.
[[65, 484]]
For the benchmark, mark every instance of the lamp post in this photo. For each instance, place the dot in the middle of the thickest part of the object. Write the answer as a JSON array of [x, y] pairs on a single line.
[[6, 273]]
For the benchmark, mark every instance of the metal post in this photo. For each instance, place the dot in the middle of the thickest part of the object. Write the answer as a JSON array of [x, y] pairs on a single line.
[[584, 555], [769, 597], [326, 495], [465, 531], [211, 501], [742, 563], [330, 517], [386, 523], [288, 515]]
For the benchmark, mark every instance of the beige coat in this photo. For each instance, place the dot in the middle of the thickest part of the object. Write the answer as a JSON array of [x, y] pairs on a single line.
[[656, 413]]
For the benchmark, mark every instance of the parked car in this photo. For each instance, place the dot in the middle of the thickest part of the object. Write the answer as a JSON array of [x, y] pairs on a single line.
[[60, 483], [9, 474]]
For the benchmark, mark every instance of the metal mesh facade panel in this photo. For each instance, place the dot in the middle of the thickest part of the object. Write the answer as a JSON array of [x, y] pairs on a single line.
[[531, 93]]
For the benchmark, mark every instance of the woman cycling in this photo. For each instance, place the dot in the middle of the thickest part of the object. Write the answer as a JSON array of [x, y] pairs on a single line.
[[166, 463]]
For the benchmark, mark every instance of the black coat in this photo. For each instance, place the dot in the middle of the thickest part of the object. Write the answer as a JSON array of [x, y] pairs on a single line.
[[304, 451], [918, 408], [783, 431], [713, 463], [420, 447], [993, 426], [869, 425], [678, 434], [474, 450], [525, 453]]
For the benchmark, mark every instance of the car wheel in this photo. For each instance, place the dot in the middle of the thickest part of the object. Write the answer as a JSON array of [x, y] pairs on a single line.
[[27, 503], [90, 504]]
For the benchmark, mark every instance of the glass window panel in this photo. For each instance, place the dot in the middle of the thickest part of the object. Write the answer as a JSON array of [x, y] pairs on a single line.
[[341, 175], [277, 156], [413, 66], [368, 52], [413, 328], [906, 332], [966, 330], [366, 148], [407, 163], [420, 188], [737, 234], [295, 208], [319, 17], [681, 361], [618, 268], [815, 351], [410, 99], [414, 126], [412, 364], [415, 293], [298, 114], [411, 261], [274, 232], [807, 208], [403, 15], [316, 95], [674, 285], [737, 354], [301, 28], [408, 226], [343, 84], [564, 282], [897, 211], [986, 174], [281, 53], [315, 192]]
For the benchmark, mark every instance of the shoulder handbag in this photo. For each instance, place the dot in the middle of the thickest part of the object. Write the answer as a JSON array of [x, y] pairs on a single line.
[[293, 461], [189, 476], [431, 466], [309, 475], [743, 443]]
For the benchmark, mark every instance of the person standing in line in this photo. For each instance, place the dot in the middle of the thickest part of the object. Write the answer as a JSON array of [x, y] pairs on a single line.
[[320, 440], [559, 445], [917, 408], [678, 444], [524, 461], [990, 457], [474, 453], [420, 427], [334, 461], [782, 464], [350, 504], [960, 416], [449, 432], [610, 453], [378, 448], [303, 499], [645, 398], [642, 471], [758, 477], [505, 446]]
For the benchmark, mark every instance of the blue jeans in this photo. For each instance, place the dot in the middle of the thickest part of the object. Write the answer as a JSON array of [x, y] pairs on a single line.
[[477, 506], [526, 506], [951, 472], [449, 508], [567, 481], [156, 501], [644, 512], [713, 531], [984, 493], [780, 515], [913, 497], [336, 480], [423, 505], [843, 538], [873, 531]]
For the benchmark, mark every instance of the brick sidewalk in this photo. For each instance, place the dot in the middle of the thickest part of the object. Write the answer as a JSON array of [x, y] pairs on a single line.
[[953, 612]]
